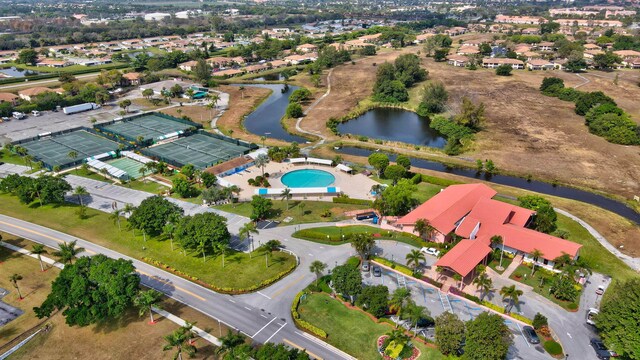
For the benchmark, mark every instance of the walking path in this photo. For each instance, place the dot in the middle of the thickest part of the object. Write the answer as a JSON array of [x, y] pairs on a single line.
[[298, 128], [513, 266]]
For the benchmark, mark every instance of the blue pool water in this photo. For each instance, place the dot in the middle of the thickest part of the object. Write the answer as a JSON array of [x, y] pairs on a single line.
[[307, 178]]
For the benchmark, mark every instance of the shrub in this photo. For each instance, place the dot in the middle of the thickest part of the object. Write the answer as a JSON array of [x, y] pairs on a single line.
[[504, 70], [553, 348], [348, 200], [401, 268], [494, 307], [438, 181], [521, 318], [294, 110], [416, 179], [572, 306], [539, 321]]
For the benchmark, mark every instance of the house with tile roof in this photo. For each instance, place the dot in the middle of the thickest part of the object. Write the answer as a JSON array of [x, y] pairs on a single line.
[[470, 213]]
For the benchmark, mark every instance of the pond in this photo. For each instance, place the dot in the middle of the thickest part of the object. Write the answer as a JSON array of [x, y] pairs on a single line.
[[533, 185], [265, 120], [17, 73], [270, 77], [394, 125]]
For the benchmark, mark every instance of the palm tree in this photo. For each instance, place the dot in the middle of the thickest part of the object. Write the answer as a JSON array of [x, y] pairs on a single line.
[[397, 335], [414, 258], [38, 249], [80, 191], [68, 252], [424, 228], [400, 298], [179, 340], [214, 99], [190, 93], [286, 195], [145, 300], [317, 267], [73, 155], [143, 171], [221, 248], [241, 91], [363, 243], [245, 232], [261, 161], [14, 280], [414, 314], [495, 241], [535, 255], [458, 278], [230, 341], [439, 270], [484, 284], [263, 138], [115, 216], [511, 293], [128, 209]]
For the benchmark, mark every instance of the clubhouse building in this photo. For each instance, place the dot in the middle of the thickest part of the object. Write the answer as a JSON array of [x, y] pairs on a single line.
[[470, 212]]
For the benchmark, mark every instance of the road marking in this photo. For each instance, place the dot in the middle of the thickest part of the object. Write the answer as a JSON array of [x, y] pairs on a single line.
[[232, 301], [248, 308], [569, 335], [155, 277], [264, 295], [264, 316], [310, 254], [41, 234], [290, 343], [269, 323], [274, 334], [287, 287], [521, 332]]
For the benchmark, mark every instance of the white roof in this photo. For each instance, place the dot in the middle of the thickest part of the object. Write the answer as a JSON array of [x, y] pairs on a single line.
[[113, 171], [311, 160], [136, 157], [344, 168], [255, 154], [224, 183]]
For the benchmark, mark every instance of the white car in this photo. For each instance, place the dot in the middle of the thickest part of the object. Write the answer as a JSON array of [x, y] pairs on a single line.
[[600, 290], [590, 316], [431, 251]]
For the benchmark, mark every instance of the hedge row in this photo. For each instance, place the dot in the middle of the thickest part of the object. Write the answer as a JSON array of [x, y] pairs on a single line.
[[223, 290], [392, 264], [348, 200], [301, 323], [502, 310], [438, 181]]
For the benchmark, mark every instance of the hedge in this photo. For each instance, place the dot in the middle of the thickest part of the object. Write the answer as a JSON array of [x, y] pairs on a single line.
[[392, 264], [438, 181], [348, 200], [223, 290], [553, 347], [301, 323]]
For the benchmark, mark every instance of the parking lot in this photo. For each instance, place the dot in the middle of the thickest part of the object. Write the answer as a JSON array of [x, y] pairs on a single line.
[[437, 303]]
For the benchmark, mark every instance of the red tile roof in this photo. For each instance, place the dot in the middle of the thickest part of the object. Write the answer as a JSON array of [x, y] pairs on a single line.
[[464, 257], [467, 226]]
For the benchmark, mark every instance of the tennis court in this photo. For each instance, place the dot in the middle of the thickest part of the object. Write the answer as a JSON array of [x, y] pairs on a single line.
[[130, 166], [54, 151], [199, 150], [150, 126]]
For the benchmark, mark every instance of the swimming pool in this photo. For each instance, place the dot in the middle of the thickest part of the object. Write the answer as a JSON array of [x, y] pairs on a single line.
[[307, 178]]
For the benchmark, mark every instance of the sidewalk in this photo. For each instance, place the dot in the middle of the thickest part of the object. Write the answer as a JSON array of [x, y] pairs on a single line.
[[512, 267]]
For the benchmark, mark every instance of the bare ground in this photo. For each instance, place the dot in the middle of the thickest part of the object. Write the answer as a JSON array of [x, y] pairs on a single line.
[[197, 113]]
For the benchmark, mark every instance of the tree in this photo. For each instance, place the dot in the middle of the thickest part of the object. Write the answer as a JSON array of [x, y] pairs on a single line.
[[395, 173], [414, 313], [145, 301], [434, 97], [28, 57], [14, 280], [347, 280], [449, 333], [487, 337], [471, 115], [202, 71], [483, 283], [485, 49], [396, 200], [424, 228], [66, 78], [124, 104], [413, 259], [404, 161], [606, 60], [300, 95], [201, 232], [230, 341], [179, 340], [408, 70], [545, 217], [586, 101], [80, 191], [38, 250], [271, 351], [390, 91], [504, 70], [400, 299], [379, 161], [260, 208], [246, 230], [152, 214], [94, 289], [241, 88], [147, 93], [317, 267], [294, 110], [535, 255], [184, 188], [286, 195], [539, 321], [619, 319], [72, 155], [375, 299], [261, 161], [512, 294], [363, 243], [563, 288], [208, 179], [67, 252], [440, 55]]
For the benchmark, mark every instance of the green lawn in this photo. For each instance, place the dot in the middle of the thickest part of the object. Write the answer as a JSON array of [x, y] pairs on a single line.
[[240, 271], [350, 330], [313, 210], [523, 274], [89, 175], [148, 186], [424, 190], [66, 69], [506, 261], [11, 158], [597, 257], [335, 233]]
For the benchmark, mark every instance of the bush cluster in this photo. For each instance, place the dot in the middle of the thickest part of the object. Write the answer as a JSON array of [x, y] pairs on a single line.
[[455, 133], [347, 200], [301, 323]]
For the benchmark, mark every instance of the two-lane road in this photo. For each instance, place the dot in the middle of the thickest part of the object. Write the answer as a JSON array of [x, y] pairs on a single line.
[[260, 324]]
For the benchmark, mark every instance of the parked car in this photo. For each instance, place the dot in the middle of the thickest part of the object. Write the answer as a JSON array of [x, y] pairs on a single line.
[[530, 335], [377, 272], [601, 351], [613, 353], [591, 313], [600, 290], [4, 118], [430, 251], [365, 266]]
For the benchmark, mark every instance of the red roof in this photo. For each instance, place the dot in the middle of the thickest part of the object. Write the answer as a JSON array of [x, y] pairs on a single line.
[[445, 209], [464, 256], [467, 226]]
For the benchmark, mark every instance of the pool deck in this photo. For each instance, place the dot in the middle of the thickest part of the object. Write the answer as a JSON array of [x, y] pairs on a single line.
[[355, 186]]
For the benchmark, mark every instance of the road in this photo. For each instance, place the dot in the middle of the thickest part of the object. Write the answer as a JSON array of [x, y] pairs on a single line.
[[261, 324], [44, 82]]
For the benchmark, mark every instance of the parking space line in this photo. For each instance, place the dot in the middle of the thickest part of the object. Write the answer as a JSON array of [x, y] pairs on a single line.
[[262, 328]]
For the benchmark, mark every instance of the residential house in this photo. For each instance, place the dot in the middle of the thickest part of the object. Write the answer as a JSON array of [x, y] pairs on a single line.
[[306, 48], [493, 63], [422, 38], [592, 47], [589, 23], [8, 97], [545, 46], [457, 60], [468, 50], [470, 212], [188, 66], [228, 72], [589, 54], [370, 39], [531, 20], [456, 30], [540, 64], [30, 93], [297, 59], [53, 63], [132, 78]]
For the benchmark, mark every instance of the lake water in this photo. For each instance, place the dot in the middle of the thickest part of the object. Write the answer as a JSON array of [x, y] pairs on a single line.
[[394, 125], [270, 77], [17, 73], [265, 120]]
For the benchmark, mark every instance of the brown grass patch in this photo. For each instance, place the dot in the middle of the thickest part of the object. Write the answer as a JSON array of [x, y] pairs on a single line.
[[197, 113]]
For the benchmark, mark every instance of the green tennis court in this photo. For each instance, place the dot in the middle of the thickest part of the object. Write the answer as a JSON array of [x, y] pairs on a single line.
[[149, 126], [200, 150], [130, 166], [55, 150]]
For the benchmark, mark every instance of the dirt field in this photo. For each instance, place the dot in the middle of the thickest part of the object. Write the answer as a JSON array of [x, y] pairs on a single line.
[[526, 132], [197, 113]]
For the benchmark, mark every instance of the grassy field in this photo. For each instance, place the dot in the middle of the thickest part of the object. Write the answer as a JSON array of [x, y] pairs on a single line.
[[335, 233], [66, 69], [148, 186], [311, 212], [98, 228], [523, 274], [351, 330]]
